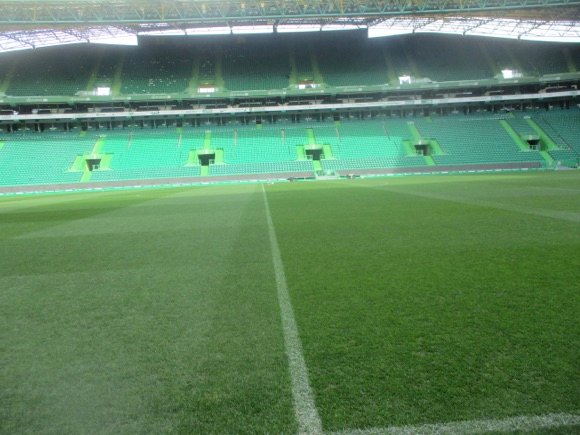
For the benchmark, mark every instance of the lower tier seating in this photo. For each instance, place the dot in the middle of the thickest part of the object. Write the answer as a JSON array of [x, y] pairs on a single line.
[[57, 157]]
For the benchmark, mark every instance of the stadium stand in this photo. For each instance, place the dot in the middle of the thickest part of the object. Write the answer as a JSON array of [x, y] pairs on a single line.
[[540, 59], [256, 66], [159, 69], [207, 67], [109, 69], [353, 63], [255, 143], [256, 63], [145, 155], [440, 59], [521, 125], [40, 158], [51, 71], [561, 126], [473, 141], [28, 157]]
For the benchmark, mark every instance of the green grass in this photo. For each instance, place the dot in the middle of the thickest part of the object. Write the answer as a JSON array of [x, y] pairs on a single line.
[[140, 312], [418, 300]]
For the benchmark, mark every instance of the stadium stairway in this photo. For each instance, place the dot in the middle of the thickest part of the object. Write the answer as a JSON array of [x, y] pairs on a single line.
[[411, 62], [525, 128], [391, 71], [509, 128], [366, 145], [563, 127], [549, 147], [570, 61], [311, 137], [81, 162], [492, 65], [254, 65], [514, 59], [474, 140], [193, 83], [10, 73], [117, 82], [434, 147], [94, 73], [219, 70], [317, 74]]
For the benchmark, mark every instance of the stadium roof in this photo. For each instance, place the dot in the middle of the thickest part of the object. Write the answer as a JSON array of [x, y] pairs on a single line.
[[35, 12], [26, 24]]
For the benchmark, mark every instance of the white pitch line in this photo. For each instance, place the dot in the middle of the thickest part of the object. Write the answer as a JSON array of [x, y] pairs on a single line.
[[304, 406], [305, 409], [524, 423]]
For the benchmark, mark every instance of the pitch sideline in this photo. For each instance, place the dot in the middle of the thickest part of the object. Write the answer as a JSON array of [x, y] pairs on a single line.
[[511, 424], [304, 406]]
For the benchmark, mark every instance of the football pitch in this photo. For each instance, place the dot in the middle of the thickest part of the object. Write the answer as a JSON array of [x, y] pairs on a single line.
[[425, 304]]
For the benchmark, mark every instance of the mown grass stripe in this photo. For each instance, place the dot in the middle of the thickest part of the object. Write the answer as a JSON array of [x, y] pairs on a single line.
[[304, 406], [570, 216], [522, 423]]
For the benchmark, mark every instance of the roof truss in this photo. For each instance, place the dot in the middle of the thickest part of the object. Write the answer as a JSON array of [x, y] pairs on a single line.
[[90, 12]]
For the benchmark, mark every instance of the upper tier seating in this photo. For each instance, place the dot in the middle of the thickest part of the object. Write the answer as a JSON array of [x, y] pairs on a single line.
[[51, 71], [266, 62], [251, 67], [441, 59], [352, 64], [156, 70]]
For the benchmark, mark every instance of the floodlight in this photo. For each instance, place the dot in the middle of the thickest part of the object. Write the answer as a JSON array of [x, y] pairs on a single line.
[[335, 27], [378, 31], [569, 39], [7, 44], [246, 30], [200, 31], [162, 32], [507, 28], [124, 39], [298, 28]]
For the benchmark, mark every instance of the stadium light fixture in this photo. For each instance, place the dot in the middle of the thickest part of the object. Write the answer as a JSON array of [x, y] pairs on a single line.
[[559, 31], [7, 45], [377, 32], [392, 27], [569, 39], [23, 40], [336, 27], [507, 28], [165, 32], [500, 28], [159, 29], [448, 26], [115, 40], [4, 49], [298, 28], [248, 30], [201, 31]]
